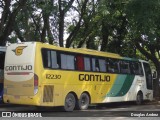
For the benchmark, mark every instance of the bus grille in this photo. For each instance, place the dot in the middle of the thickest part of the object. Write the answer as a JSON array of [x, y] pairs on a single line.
[[48, 93]]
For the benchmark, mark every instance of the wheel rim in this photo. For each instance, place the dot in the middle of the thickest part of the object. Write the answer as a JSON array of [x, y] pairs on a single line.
[[139, 99], [84, 101], [69, 102]]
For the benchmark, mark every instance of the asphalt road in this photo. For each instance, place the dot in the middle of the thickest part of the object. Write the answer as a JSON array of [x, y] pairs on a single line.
[[104, 110]]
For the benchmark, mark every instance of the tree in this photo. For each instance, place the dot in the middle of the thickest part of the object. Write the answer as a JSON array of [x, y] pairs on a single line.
[[144, 26], [75, 29], [114, 26], [63, 9], [47, 7], [8, 18]]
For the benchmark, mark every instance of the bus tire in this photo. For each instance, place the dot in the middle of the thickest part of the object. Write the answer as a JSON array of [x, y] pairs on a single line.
[[83, 102], [69, 103], [139, 98]]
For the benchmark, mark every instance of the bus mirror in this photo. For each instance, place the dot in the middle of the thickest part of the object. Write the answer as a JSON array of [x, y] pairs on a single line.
[[154, 74]]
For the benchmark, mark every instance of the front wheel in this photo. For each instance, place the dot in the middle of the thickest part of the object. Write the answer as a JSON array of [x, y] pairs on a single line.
[[83, 102], [70, 102]]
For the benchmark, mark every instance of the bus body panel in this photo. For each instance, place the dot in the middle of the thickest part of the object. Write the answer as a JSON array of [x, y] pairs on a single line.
[[19, 69], [78, 82], [137, 85]]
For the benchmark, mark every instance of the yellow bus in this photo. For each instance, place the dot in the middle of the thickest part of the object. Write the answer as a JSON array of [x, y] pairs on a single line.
[[45, 75]]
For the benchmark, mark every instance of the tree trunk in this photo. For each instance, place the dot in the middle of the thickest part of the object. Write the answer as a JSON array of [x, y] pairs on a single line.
[[8, 26], [91, 44], [71, 37], [105, 34], [62, 13]]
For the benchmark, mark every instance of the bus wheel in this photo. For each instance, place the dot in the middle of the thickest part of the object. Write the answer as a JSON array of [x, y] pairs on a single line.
[[70, 102], [83, 102], [139, 98]]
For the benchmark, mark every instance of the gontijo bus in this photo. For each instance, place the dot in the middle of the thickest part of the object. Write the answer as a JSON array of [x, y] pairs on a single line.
[[45, 75], [2, 58]]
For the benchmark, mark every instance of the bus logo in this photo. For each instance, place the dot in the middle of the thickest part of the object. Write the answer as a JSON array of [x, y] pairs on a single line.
[[19, 50]]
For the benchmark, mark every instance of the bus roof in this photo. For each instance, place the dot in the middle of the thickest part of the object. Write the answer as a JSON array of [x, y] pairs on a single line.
[[101, 52], [81, 51]]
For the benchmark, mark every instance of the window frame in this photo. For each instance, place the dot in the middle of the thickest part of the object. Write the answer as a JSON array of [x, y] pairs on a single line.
[[90, 65], [91, 58], [46, 58], [111, 70], [67, 55], [140, 68], [124, 71]]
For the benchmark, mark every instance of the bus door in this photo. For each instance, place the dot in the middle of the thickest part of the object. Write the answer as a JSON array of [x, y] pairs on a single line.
[[148, 76]]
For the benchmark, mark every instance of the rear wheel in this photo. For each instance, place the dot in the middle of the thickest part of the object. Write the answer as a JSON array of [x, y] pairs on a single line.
[[83, 102], [139, 99], [70, 102]]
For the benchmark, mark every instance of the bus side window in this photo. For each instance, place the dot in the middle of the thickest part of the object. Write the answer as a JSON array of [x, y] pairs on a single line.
[[148, 75], [54, 59], [136, 68], [124, 67], [87, 65], [67, 61], [45, 58], [80, 62], [49, 59], [112, 65], [95, 64], [102, 65]]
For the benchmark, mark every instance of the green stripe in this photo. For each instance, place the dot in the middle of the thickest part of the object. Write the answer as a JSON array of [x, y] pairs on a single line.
[[121, 86], [117, 85], [126, 86]]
